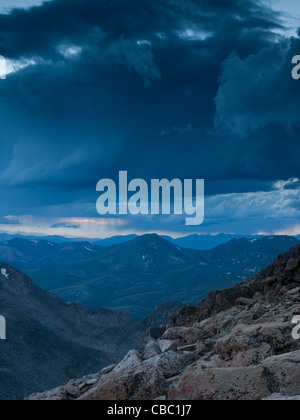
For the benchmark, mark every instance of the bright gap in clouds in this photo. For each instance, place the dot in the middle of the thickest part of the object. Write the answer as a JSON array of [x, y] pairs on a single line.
[[7, 5], [13, 66], [75, 227], [291, 13], [266, 212]]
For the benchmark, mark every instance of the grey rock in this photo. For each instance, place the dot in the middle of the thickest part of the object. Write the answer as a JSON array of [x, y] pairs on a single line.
[[143, 383], [151, 349], [243, 302], [172, 363], [278, 374], [189, 335], [197, 383], [188, 347], [108, 369], [249, 345], [167, 345], [131, 361]]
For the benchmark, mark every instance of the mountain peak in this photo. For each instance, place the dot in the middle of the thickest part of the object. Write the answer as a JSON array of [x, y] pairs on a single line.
[[13, 280], [151, 241], [150, 237]]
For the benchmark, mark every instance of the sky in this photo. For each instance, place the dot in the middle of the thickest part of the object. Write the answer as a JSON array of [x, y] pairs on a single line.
[[7, 5], [188, 89]]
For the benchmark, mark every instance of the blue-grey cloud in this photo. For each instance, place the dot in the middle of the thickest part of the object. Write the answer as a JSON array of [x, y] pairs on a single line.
[[258, 91]]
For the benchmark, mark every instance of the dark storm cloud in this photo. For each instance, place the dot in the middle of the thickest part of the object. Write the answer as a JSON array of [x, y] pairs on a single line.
[[257, 105], [39, 30], [261, 88], [110, 76]]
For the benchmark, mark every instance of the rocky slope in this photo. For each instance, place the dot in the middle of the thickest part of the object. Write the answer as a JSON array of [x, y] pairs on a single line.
[[49, 342], [235, 345]]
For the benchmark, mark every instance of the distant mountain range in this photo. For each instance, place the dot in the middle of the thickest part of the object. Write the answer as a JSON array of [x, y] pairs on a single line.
[[49, 341], [32, 253], [115, 240], [138, 275], [4, 237], [205, 242], [199, 242]]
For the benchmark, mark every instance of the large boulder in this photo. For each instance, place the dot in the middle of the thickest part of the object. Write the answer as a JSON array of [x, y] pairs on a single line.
[[283, 373], [218, 324], [150, 349], [169, 345], [248, 345], [188, 335], [131, 361], [200, 383], [144, 383], [172, 363], [277, 374], [71, 391]]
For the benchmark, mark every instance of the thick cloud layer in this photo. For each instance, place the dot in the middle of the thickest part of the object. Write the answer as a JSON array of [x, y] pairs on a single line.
[[39, 30], [175, 88], [262, 89]]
